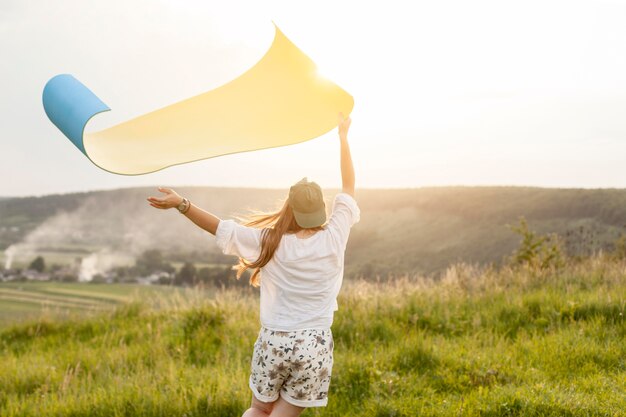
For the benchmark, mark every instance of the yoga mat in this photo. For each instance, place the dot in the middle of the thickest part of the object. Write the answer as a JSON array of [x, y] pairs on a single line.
[[281, 100]]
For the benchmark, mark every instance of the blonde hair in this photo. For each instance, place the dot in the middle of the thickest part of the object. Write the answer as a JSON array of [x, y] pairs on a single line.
[[275, 225]]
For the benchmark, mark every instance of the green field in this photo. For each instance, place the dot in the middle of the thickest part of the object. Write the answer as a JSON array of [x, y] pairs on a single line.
[[478, 342], [23, 301]]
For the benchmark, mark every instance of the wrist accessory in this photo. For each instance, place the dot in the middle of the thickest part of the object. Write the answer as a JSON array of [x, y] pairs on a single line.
[[183, 207]]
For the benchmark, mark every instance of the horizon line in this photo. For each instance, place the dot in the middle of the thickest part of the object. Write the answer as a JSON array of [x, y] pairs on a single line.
[[388, 188]]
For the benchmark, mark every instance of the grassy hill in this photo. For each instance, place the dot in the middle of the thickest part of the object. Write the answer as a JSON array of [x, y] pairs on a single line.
[[401, 231], [477, 342]]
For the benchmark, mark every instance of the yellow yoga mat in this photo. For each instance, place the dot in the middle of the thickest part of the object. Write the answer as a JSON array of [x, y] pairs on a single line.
[[281, 100]]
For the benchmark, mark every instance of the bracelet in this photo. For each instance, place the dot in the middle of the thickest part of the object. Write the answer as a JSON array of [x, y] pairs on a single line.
[[186, 205]]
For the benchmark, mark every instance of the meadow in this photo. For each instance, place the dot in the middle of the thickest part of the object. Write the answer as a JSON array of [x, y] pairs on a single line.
[[479, 341]]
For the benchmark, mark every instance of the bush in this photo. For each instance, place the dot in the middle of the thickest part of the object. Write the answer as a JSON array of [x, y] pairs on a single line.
[[537, 251]]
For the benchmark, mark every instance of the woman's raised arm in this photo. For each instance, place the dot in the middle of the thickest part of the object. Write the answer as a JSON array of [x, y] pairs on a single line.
[[201, 218], [347, 168]]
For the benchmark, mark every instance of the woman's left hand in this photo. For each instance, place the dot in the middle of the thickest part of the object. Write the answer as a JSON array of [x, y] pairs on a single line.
[[171, 199]]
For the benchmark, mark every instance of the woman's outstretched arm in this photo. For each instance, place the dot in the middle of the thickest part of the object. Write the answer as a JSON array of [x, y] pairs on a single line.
[[347, 168], [201, 218]]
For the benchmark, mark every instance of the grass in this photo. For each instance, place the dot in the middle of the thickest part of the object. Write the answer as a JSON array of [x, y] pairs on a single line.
[[478, 342]]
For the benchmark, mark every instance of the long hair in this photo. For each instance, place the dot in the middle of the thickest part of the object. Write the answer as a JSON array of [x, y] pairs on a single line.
[[275, 225]]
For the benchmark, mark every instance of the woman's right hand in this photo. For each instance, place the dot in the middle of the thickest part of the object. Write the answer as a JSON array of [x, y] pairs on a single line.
[[344, 125], [171, 199]]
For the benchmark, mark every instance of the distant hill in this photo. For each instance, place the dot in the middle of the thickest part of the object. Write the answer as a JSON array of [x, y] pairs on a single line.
[[419, 230]]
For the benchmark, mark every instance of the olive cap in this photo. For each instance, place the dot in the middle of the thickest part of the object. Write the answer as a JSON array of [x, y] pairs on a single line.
[[307, 202]]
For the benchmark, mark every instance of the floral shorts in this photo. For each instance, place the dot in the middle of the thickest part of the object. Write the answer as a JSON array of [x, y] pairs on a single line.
[[297, 364]]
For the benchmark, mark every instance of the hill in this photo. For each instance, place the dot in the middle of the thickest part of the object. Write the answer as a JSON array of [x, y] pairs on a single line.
[[401, 231]]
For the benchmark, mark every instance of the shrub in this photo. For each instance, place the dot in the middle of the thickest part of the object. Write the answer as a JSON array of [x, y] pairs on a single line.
[[537, 251]]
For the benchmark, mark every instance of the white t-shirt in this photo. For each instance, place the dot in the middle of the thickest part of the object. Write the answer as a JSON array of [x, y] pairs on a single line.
[[300, 284]]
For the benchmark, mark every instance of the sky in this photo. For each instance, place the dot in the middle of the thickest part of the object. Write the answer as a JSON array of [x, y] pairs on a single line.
[[446, 92]]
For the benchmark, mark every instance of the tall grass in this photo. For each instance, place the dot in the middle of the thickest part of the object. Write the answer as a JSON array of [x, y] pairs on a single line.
[[476, 342]]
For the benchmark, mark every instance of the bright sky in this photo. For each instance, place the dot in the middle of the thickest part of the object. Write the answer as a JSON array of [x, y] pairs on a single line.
[[446, 92]]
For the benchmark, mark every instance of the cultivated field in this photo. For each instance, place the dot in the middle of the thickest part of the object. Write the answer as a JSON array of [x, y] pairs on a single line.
[[23, 301]]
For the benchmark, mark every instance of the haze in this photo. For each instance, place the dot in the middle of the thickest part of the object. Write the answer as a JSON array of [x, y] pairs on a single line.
[[446, 92]]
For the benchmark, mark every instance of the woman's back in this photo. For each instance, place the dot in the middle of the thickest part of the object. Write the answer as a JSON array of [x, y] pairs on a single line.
[[300, 284], [292, 360]]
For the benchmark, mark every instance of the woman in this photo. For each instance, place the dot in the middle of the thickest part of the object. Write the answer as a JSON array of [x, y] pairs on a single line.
[[297, 259]]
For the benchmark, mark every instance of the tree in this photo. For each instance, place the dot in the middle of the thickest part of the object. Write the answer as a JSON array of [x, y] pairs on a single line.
[[151, 261], [38, 264], [186, 275], [220, 276]]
